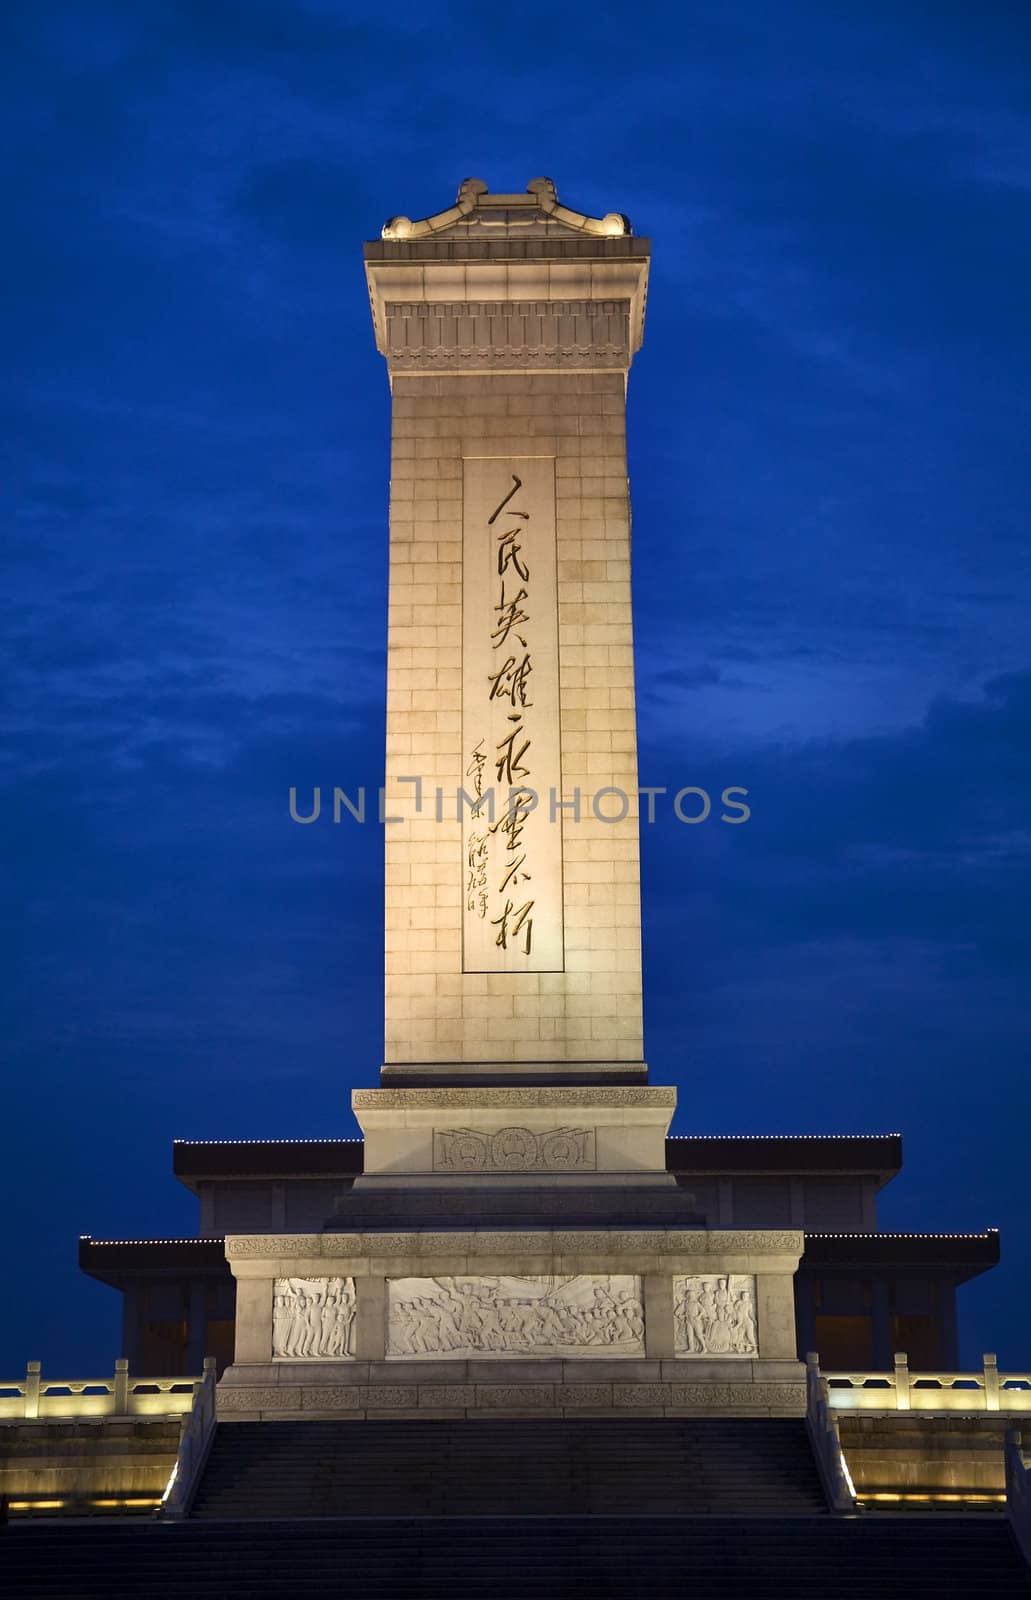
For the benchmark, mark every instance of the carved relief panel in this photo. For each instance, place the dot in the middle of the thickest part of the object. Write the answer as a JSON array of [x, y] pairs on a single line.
[[714, 1315], [514, 1150], [313, 1319], [587, 1315]]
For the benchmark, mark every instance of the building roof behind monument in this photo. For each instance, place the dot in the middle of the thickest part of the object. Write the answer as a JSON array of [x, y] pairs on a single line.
[[537, 214]]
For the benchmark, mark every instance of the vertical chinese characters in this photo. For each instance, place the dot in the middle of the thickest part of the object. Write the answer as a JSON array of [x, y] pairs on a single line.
[[512, 858], [510, 682]]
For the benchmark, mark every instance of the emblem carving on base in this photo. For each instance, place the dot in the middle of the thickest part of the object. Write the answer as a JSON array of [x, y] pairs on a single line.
[[586, 1315], [313, 1319], [514, 1150], [714, 1315]]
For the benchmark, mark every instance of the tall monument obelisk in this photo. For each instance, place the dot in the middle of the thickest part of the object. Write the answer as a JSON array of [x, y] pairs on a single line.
[[514, 1202], [513, 924]]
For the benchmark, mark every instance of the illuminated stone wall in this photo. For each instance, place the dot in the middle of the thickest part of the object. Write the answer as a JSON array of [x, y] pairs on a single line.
[[507, 951]]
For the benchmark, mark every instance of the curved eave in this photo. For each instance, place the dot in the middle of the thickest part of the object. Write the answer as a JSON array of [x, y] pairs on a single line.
[[540, 197], [690, 1156], [876, 1155], [118, 1262], [196, 1161], [963, 1255]]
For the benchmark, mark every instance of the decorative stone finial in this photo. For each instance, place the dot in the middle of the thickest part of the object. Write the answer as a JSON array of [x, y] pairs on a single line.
[[538, 210]]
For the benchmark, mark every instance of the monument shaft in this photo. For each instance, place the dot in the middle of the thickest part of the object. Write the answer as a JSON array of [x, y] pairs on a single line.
[[513, 927]]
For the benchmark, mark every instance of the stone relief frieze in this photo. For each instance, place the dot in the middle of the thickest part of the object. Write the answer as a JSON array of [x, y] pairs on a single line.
[[330, 1398], [245, 1398], [498, 333], [514, 1149], [586, 1315], [714, 1315], [403, 1099], [766, 1242], [271, 1244], [743, 1396], [313, 1319]]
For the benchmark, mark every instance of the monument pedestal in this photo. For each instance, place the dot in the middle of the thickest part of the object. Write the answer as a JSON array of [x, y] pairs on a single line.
[[551, 1322], [540, 1134]]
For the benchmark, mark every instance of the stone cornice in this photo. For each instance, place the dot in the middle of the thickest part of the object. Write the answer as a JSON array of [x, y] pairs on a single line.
[[539, 1242], [511, 248], [420, 1099], [563, 279]]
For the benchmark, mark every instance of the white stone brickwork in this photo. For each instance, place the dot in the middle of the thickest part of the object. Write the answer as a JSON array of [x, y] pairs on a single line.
[[313, 1319], [511, 361], [590, 1010], [583, 1316], [715, 1315]]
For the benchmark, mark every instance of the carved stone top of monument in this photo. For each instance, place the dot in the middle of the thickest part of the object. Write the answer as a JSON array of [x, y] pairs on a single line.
[[507, 257], [537, 214]]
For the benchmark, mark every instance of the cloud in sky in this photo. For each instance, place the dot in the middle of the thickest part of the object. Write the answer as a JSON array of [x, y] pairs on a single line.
[[828, 430]]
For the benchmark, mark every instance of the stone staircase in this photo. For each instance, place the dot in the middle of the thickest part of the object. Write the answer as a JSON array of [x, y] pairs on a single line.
[[511, 1508], [494, 1467], [515, 1558]]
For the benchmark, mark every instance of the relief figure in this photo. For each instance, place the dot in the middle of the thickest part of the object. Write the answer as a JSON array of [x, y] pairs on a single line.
[[313, 1319], [715, 1315]]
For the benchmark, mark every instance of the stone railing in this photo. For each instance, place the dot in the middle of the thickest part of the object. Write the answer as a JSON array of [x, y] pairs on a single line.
[[56, 1399], [198, 1431], [903, 1390], [1018, 1493], [822, 1428]]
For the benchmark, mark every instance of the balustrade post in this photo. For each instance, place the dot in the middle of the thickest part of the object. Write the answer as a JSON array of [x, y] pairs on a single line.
[[1018, 1497], [901, 1381], [32, 1371], [991, 1383], [121, 1387]]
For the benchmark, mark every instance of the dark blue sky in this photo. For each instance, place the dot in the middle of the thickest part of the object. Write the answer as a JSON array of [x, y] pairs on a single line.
[[828, 436]]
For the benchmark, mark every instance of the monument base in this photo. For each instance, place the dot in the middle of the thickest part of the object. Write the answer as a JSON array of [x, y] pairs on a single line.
[[657, 1321], [358, 1390]]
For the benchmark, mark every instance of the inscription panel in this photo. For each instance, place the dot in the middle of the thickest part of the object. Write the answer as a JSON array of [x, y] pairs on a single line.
[[714, 1314], [514, 1150], [313, 1319], [584, 1316], [511, 846]]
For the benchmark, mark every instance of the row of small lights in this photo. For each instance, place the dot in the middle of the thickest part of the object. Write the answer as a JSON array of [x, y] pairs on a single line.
[[862, 1496], [206, 1142], [876, 1235], [55, 1505], [810, 1234], [952, 1499], [767, 1138], [764, 1138], [87, 1238]]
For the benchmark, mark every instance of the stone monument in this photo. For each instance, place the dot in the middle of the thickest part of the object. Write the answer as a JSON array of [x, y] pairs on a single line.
[[515, 1243]]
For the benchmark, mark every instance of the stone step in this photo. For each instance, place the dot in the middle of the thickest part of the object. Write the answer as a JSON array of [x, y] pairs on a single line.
[[554, 1466], [812, 1558]]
